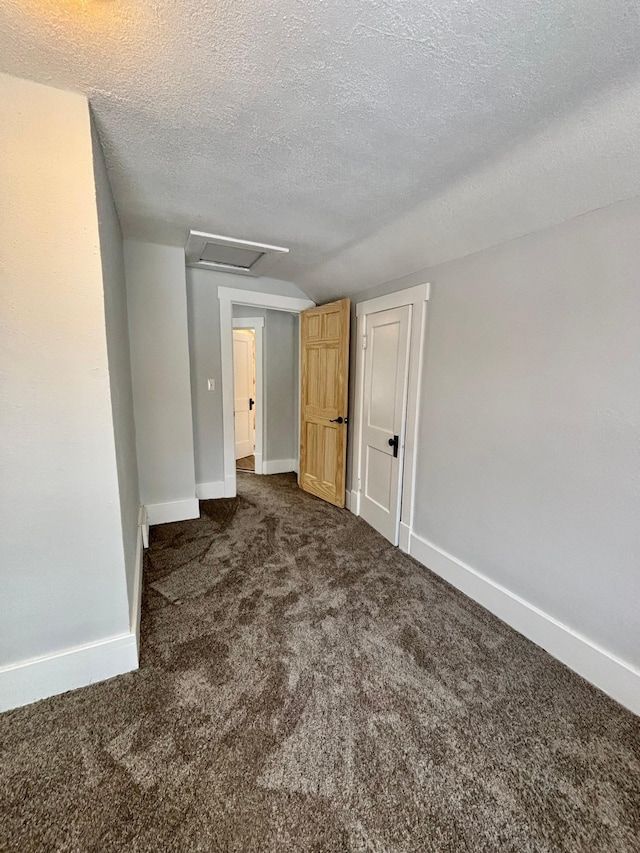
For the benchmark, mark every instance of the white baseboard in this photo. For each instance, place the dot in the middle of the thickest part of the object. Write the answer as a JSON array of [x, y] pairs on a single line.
[[31, 680], [351, 501], [230, 485], [143, 524], [296, 465], [615, 677], [278, 466], [404, 538], [209, 491], [257, 462], [135, 605], [173, 511]]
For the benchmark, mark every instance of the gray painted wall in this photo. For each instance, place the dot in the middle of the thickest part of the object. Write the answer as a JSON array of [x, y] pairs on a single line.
[[282, 385], [62, 570], [204, 345], [528, 464], [119, 358], [157, 306]]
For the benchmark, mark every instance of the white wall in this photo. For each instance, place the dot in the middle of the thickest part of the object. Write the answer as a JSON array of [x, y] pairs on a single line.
[[529, 455], [119, 359], [204, 344], [62, 572], [157, 307], [280, 365]]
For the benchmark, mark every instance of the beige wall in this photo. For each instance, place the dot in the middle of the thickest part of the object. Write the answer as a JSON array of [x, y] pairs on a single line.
[[62, 571]]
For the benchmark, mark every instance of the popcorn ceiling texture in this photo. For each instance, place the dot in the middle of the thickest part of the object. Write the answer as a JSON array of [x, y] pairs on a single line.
[[318, 124]]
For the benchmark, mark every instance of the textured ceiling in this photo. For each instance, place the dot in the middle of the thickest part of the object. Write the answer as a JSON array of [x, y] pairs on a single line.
[[315, 125]]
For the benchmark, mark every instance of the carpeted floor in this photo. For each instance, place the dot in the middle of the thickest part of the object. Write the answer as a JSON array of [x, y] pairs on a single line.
[[306, 687], [246, 463]]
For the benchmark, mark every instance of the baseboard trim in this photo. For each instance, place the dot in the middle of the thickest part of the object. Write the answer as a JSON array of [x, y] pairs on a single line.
[[135, 605], [404, 537], [609, 673], [230, 485], [143, 524], [210, 491], [351, 501], [278, 466], [257, 457], [38, 678], [173, 511]]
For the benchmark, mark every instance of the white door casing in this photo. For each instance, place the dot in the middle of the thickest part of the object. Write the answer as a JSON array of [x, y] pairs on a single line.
[[386, 371], [244, 392]]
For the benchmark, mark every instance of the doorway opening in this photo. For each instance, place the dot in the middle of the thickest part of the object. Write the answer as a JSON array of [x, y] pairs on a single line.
[[276, 402]]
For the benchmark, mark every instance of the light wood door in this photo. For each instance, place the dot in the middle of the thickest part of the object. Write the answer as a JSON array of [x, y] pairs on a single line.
[[324, 356], [244, 391], [386, 371]]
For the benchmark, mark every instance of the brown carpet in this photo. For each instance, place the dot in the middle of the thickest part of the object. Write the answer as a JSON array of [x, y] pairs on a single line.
[[306, 687], [247, 463]]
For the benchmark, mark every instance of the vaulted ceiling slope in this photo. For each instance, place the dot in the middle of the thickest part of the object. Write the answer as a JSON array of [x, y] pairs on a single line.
[[372, 138]]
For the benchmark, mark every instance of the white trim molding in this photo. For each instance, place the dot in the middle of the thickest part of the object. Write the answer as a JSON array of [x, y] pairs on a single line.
[[280, 466], [352, 501], [230, 296], [418, 298], [609, 673], [38, 678], [135, 605], [210, 491], [143, 524], [173, 511]]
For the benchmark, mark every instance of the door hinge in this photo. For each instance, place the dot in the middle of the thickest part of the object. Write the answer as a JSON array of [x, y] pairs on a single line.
[[364, 342]]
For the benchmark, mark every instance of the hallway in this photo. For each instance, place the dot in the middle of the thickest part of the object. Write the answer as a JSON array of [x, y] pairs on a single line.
[[304, 686]]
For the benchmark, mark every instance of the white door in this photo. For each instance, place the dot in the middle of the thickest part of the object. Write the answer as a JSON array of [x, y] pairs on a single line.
[[386, 370], [244, 391]]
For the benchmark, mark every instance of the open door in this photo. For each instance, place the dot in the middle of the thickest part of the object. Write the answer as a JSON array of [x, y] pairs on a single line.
[[324, 359], [244, 383]]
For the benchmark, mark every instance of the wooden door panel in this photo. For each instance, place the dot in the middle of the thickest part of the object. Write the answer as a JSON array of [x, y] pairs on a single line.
[[324, 343]]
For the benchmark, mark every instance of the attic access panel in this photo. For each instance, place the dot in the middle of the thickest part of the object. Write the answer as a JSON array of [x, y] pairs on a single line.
[[227, 254]]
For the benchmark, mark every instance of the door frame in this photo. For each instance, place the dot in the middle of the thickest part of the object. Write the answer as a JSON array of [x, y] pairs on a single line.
[[256, 325], [228, 297], [417, 297]]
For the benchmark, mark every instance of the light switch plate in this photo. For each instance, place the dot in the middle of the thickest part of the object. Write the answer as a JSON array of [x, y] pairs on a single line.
[[211, 384]]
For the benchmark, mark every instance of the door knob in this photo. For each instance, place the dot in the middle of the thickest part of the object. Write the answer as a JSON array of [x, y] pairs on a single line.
[[339, 420], [393, 442], [252, 403]]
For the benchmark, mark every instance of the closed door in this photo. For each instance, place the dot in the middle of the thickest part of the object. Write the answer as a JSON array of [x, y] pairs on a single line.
[[324, 359], [386, 370], [244, 391]]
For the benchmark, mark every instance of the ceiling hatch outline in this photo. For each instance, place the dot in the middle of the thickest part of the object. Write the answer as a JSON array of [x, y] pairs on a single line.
[[228, 254]]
